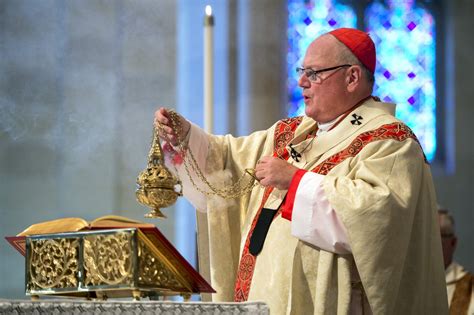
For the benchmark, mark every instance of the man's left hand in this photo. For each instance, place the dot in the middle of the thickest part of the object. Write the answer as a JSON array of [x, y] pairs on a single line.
[[272, 171]]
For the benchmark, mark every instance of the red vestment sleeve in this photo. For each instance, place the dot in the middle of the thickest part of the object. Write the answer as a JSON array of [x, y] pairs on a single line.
[[290, 196]]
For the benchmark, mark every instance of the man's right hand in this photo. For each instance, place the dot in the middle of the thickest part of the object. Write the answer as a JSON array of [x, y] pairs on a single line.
[[162, 117]]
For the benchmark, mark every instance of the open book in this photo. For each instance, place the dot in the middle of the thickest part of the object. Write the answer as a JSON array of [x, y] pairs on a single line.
[[79, 224], [74, 225]]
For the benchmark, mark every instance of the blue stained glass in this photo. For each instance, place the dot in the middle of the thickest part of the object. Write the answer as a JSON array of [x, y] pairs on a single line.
[[306, 21], [406, 51]]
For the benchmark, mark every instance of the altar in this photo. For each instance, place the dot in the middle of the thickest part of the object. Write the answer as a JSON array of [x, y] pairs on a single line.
[[83, 307]]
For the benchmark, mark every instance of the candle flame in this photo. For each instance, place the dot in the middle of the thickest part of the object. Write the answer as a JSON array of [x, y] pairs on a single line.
[[208, 10]]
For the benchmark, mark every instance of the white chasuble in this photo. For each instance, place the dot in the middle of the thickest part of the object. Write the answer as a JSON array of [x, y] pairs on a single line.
[[377, 182]]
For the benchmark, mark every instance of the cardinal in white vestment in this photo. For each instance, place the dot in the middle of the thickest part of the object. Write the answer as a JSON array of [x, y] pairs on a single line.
[[344, 218]]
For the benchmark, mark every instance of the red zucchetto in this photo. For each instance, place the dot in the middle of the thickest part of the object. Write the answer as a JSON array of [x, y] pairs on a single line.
[[359, 43]]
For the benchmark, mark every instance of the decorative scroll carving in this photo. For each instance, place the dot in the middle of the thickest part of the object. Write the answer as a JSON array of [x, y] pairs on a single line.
[[53, 264], [108, 259], [153, 272]]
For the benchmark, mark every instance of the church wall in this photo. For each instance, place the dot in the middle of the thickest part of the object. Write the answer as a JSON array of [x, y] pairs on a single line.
[[79, 83]]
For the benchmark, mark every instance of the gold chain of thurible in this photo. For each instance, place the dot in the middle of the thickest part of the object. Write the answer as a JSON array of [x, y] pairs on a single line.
[[230, 192]]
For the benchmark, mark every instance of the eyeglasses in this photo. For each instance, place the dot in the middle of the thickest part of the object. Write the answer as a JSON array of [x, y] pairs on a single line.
[[314, 75]]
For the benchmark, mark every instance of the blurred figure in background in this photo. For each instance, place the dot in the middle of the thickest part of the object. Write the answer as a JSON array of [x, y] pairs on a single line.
[[459, 281]]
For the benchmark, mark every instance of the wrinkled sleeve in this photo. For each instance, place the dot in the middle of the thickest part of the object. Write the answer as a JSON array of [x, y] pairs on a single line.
[[313, 219], [222, 160]]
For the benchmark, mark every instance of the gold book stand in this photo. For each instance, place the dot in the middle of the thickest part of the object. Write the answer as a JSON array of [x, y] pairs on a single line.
[[111, 263]]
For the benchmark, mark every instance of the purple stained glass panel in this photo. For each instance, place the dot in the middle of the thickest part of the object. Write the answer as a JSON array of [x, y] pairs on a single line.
[[387, 99], [411, 26]]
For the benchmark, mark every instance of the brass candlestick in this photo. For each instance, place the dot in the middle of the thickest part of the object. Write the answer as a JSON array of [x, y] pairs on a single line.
[[156, 184]]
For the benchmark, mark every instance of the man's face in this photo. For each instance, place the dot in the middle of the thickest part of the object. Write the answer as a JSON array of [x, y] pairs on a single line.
[[448, 242], [324, 98]]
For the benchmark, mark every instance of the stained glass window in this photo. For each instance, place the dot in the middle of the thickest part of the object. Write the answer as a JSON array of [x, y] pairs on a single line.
[[404, 35]]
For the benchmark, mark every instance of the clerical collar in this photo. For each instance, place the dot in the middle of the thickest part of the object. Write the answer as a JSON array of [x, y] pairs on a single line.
[[328, 126], [325, 127]]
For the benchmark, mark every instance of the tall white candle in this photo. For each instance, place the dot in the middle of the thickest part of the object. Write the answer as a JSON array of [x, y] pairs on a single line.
[[208, 70]]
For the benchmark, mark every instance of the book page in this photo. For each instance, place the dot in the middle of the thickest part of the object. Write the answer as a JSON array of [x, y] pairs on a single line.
[[117, 221], [56, 226]]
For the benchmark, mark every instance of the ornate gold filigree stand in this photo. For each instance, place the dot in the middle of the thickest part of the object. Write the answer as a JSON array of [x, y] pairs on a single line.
[[100, 264], [156, 184]]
